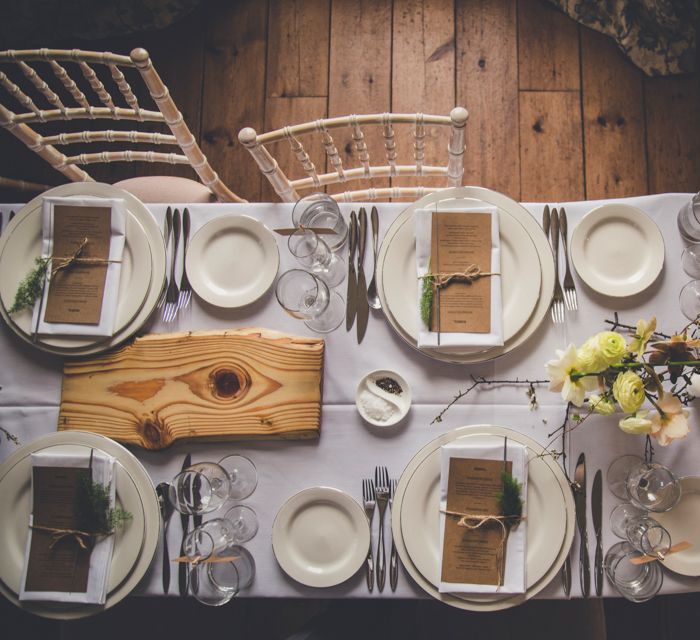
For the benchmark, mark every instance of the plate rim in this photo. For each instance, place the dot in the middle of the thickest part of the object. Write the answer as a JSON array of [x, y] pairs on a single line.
[[355, 506], [658, 251], [224, 221], [670, 562]]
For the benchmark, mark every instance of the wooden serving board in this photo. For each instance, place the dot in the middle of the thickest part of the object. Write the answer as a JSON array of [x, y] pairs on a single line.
[[221, 385]]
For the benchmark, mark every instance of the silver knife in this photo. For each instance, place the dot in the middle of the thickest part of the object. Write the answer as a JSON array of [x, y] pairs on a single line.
[[351, 305], [580, 499], [597, 508], [185, 521], [362, 304]]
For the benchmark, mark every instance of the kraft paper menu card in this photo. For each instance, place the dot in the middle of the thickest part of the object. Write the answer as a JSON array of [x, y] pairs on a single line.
[[459, 251], [60, 570], [85, 238], [475, 560]]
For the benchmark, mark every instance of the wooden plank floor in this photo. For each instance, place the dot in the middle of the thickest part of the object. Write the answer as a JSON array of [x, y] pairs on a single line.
[[556, 111]]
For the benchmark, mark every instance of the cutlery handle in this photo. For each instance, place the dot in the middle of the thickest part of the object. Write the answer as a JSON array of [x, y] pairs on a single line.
[[375, 231], [554, 234], [585, 567], [363, 238], [563, 228], [566, 576], [176, 241], [370, 568], [182, 568], [598, 567], [168, 226], [166, 562], [353, 236], [393, 567], [185, 231], [381, 558], [546, 219]]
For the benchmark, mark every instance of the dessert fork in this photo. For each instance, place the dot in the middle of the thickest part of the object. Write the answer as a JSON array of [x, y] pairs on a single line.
[[167, 233], [381, 492], [569, 287], [172, 294], [558, 297], [185, 286], [369, 505]]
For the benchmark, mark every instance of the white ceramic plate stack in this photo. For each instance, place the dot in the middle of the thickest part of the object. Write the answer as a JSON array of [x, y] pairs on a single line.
[[135, 543], [415, 518], [527, 271], [142, 276]]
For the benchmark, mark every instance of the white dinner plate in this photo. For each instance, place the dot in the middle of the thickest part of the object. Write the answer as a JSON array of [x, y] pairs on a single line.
[[232, 261], [151, 518], [23, 246], [617, 249], [16, 498], [520, 274], [469, 197], [420, 516], [320, 537], [682, 523], [156, 244], [476, 602]]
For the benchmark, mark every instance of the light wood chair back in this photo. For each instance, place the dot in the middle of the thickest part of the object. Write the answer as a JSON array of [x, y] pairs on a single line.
[[287, 189], [22, 185], [100, 104]]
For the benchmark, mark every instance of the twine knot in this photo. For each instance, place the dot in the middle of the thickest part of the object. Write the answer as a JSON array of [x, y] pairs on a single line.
[[65, 262], [58, 534], [469, 275]]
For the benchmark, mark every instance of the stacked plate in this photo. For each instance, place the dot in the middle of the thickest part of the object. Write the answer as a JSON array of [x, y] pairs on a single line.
[[142, 275], [550, 520], [135, 543], [527, 271]]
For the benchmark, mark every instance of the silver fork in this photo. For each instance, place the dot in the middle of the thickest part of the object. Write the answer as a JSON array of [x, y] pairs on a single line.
[[558, 297], [185, 287], [381, 492], [569, 286], [167, 233], [172, 295], [369, 504], [393, 556]]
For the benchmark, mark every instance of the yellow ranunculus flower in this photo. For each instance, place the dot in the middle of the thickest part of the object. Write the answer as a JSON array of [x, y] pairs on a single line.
[[590, 357], [612, 346], [628, 390], [636, 424], [645, 329], [603, 406]]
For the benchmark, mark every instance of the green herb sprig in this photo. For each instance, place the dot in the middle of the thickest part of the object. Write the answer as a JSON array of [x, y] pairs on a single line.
[[31, 287], [426, 300], [510, 499], [94, 513]]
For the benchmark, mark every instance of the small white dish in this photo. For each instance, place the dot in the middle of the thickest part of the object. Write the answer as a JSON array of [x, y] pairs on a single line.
[[232, 261], [320, 537], [372, 401], [618, 250], [681, 523]]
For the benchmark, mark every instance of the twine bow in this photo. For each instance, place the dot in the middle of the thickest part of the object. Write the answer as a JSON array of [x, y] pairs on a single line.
[[64, 262], [472, 273], [58, 534]]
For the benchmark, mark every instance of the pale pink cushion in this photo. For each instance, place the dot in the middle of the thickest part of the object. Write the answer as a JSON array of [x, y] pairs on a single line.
[[166, 189]]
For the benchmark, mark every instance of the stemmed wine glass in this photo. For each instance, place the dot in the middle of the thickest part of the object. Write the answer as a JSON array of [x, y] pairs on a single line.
[[201, 488], [313, 253], [320, 210], [647, 485], [242, 475], [644, 533], [636, 582], [303, 295]]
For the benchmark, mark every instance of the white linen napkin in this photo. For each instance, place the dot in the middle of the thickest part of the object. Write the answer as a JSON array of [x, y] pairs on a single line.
[[111, 290], [429, 339], [101, 556], [516, 556]]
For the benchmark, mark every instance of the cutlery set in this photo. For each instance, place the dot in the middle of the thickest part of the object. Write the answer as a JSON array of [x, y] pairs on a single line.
[[554, 225], [360, 297], [175, 298], [578, 486], [379, 494]]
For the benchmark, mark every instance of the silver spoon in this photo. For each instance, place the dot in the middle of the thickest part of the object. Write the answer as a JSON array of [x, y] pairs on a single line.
[[372, 297], [166, 510]]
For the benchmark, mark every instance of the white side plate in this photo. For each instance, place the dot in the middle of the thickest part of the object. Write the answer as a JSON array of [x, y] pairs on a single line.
[[682, 523]]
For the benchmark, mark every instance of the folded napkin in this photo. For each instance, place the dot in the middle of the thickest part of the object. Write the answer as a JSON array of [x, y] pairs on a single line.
[[105, 328], [485, 449], [61, 564], [433, 339]]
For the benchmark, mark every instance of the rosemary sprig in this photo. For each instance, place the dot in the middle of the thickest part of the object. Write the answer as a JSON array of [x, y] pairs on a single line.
[[94, 513], [30, 288], [426, 300], [510, 499]]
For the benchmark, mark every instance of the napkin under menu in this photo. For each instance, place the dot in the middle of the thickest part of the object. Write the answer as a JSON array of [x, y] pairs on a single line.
[[81, 300], [62, 571], [448, 242], [469, 482]]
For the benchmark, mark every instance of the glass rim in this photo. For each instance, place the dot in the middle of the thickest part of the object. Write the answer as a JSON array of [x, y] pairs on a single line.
[[199, 532], [185, 472], [319, 284], [305, 232], [308, 199]]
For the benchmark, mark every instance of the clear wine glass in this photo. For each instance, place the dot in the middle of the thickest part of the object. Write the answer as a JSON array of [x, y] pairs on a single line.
[[636, 582], [216, 583], [313, 253], [201, 488], [242, 474], [690, 260], [243, 521], [644, 533], [689, 299], [320, 210], [647, 485], [302, 295], [617, 474]]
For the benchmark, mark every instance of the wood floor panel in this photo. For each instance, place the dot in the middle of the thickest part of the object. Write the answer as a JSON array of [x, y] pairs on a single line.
[[487, 85]]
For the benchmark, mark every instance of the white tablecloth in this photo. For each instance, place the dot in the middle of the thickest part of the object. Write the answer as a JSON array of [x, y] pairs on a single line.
[[348, 449]]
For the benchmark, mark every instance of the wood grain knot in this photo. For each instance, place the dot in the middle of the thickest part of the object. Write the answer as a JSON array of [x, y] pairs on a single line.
[[537, 127], [229, 383], [153, 435]]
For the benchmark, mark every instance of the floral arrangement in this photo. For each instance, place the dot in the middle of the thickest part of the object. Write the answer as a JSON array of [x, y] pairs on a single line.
[[629, 374]]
